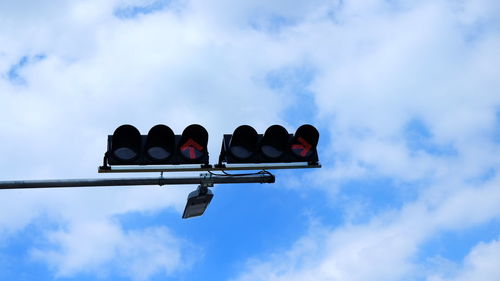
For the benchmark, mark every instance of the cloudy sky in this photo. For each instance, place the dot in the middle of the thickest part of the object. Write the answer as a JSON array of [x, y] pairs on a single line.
[[405, 94]]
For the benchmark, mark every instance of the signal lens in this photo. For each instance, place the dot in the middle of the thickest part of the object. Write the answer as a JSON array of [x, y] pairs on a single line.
[[193, 142], [305, 141], [274, 142], [160, 143], [126, 143], [243, 142]]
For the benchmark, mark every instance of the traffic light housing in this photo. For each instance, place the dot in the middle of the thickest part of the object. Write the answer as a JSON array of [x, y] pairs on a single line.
[[126, 146], [276, 145]]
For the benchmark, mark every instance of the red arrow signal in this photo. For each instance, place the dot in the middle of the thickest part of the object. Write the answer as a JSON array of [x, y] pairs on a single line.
[[304, 147], [192, 147]]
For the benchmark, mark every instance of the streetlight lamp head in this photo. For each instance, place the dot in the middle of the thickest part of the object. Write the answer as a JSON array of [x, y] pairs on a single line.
[[197, 202]]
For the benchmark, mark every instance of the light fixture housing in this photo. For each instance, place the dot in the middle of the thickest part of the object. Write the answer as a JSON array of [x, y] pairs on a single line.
[[197, 202]]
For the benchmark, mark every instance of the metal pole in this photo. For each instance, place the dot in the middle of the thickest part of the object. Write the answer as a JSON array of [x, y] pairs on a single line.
[[202, 179], [204, 168]]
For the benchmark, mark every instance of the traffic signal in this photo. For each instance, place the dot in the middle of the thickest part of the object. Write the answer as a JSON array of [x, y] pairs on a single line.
[[276, 145], [160, 146]]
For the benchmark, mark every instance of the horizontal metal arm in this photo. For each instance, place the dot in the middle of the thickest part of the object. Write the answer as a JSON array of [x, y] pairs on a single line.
[[203, 179], [205, 168]]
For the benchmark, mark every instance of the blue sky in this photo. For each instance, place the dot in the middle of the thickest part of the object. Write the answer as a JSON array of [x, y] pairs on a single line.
[[405, 94]]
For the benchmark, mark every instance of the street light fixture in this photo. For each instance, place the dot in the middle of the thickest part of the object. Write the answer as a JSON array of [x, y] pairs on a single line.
[[197, 202]]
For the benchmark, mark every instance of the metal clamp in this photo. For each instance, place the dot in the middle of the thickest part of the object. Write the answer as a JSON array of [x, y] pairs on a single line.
[[206, 180]]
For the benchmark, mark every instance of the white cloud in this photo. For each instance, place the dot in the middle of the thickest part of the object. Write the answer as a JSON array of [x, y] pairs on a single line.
[[387, 247], [480, 264], [98, 72], [103, 248], [381, 67]]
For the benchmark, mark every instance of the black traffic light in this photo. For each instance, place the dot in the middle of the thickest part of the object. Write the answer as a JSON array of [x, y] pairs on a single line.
[[160, 146], [276, 145]]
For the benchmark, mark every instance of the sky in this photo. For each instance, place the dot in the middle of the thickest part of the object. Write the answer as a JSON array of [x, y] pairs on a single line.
[[405, 95]]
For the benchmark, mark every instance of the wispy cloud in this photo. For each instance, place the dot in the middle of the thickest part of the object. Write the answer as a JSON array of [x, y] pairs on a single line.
[[131, 9], [14, 73], [103, 248]]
